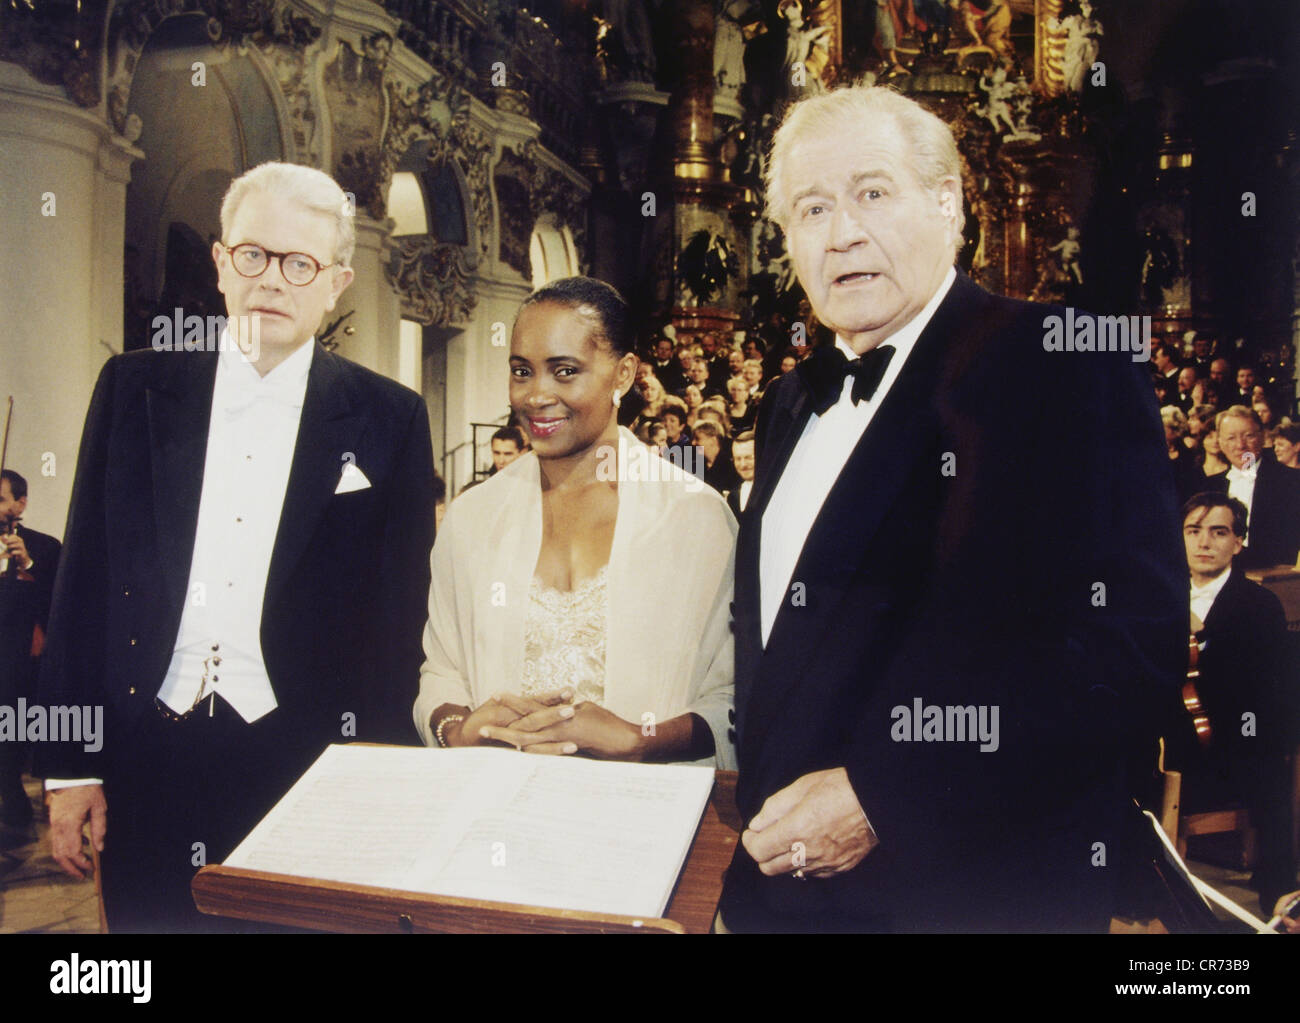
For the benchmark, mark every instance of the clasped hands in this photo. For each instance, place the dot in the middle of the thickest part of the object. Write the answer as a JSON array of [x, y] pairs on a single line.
[[551, 723]]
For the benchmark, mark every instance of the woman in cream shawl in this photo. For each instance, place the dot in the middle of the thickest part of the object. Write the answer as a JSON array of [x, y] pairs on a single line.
[[580, 597]]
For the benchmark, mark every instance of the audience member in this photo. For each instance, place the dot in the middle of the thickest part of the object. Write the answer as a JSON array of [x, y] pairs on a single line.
[[719, 473], [673, 413], [742, 457], [1188, 478], [1245, 392], [1270, 491], [1186, 382], [1240, 628], [668, 369], [1164, 365], [652, 393], [701, 375], [508, 443], [1212, 461], [742, 411], [1286, 445]]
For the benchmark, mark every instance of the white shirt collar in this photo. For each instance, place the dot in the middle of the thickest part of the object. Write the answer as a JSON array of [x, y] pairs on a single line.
[[1211, 589], [241, 385], [1244, 474]]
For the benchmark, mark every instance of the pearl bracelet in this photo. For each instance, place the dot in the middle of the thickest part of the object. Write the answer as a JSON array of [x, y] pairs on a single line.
[[437, 734]]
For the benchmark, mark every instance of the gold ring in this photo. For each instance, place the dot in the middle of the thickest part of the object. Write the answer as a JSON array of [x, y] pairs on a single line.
[[800, 874]]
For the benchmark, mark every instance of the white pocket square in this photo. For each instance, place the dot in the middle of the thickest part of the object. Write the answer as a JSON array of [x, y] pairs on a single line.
[[352, 479]]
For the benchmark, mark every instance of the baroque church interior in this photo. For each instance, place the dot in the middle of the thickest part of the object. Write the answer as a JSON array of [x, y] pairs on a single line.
[[1128, 159], [1133, 159]]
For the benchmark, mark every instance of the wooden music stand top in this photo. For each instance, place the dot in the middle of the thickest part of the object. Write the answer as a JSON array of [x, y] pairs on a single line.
[[335, 906]]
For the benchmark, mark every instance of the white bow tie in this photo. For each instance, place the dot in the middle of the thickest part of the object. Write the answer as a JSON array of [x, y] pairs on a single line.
[[288, 393]]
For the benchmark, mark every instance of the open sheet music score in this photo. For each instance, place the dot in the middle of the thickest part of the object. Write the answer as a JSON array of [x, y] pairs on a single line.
[[489, 824]]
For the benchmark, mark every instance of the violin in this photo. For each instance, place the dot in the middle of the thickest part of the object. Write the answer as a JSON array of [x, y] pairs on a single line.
[[1192, 698]]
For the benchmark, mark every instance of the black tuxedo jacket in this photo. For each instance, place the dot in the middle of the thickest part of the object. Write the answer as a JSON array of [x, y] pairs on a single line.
[[1274, 531], [1243, 668], [959, 561], [347, 590], [44, 551]]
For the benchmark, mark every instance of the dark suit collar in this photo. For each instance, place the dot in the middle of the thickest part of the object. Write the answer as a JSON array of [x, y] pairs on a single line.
[[327, 438], [179, 400], [1225, 597]]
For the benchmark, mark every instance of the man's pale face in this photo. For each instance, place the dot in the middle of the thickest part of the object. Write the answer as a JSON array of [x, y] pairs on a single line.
[[869, 243], [742, 454], [288, 315], [1246, 379], [1238, 438], [503, 453], [1187, 380], [663, 349], [1211, 543], [1219, 370]]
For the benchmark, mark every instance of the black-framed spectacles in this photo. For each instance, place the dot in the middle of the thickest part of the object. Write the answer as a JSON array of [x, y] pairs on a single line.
[[251, 260]]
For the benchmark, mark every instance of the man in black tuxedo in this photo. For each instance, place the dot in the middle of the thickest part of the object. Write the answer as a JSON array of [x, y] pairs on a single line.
[[666, 366], [1164, 365], [26, 582], [742, 455], [246, 568], [1244, 686], [1269, 490], [948, 639]]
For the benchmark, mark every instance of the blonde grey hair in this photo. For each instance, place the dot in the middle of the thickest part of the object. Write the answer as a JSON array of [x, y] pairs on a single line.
[[1238, 412], [312, 188], [1173, 418], [932, 154]]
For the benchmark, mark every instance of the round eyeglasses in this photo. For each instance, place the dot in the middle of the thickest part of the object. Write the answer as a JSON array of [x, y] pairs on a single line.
[[250, 260]]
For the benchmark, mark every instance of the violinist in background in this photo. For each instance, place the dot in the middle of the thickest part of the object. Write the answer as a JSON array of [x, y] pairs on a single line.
[[1240, 629], [28, 561]]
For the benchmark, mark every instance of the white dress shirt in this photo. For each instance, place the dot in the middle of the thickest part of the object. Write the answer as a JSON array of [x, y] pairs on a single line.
[[1241, 485], [251, 438], [745, 487], [1203, 596], [818, 458]]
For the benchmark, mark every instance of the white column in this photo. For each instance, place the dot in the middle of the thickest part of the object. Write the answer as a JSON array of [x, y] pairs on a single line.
[[478, 370], [62, 202], [377, 312]]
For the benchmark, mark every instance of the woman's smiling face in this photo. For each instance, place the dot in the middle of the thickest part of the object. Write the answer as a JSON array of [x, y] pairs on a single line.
[[563, 374]]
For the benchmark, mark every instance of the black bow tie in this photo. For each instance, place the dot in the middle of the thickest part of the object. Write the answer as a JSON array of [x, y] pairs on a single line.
[[823, 373]]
